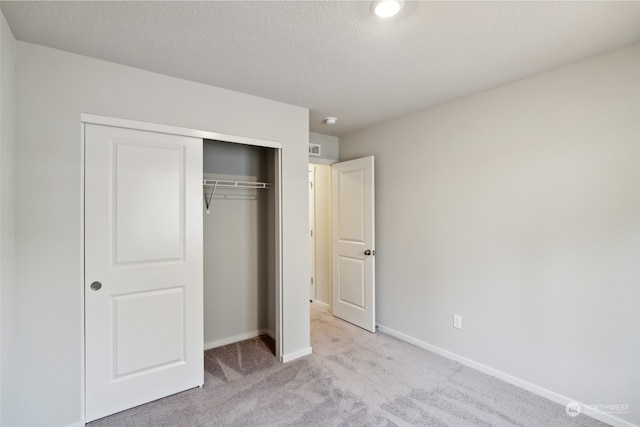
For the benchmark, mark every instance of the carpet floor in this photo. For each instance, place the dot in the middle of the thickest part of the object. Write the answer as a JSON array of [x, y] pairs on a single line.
[[353, 378]]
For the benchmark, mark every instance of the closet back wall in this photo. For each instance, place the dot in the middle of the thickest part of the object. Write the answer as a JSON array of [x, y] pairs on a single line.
[[237, 301]]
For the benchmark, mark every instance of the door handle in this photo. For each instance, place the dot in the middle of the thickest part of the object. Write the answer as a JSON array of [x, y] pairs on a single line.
[[95, 286], [369, 252]]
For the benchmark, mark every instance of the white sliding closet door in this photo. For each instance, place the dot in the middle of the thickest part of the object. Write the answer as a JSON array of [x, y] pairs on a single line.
[[143, 267]]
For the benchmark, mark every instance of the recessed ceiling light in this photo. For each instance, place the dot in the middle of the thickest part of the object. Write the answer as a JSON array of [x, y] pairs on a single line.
[[330, 120], [386, 8]]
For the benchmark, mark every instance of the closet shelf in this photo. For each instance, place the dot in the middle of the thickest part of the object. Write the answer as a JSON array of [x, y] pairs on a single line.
[[219, 183], [243, 190]]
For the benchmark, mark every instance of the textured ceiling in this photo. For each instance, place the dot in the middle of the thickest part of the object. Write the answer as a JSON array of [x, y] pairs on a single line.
[[335, 58]]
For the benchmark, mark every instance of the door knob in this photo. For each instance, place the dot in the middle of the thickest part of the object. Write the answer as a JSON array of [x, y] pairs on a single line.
[[95, 286], [369, 252]]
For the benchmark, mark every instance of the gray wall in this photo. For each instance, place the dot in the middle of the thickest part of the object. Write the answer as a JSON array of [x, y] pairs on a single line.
[[329, 147], [519, 209], [238, 300], [53, 89], [7, 219]]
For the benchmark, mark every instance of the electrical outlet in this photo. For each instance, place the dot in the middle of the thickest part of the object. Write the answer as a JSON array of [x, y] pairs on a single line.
[[457, 321]]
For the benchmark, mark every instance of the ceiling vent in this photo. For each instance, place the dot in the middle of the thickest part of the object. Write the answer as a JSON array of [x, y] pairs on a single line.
[[314, 150]]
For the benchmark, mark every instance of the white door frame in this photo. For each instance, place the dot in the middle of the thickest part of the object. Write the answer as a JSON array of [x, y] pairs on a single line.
[[173, 130], [312, 227]]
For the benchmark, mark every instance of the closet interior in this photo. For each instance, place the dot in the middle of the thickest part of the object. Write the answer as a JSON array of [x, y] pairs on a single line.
[[239, 242]]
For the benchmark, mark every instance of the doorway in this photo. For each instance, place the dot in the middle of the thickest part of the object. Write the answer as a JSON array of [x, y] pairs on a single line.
[[320, 234], [343, 201]]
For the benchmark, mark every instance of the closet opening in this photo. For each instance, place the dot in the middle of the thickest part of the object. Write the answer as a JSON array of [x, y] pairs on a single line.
[[240, 227], [163, 281]]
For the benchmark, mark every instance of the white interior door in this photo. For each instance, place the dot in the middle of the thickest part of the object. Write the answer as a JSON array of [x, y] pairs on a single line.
[[353, 242], [312, 237], [143, 267]]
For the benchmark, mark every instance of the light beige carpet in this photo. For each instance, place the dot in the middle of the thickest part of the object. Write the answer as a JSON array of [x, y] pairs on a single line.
[[237, 360], [353, 378]]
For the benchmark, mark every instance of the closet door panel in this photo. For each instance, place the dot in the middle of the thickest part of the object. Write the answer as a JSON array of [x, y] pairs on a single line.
[[149, 228], [143, 267]]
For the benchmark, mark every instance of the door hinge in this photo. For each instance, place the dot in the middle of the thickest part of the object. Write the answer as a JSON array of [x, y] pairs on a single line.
[[312, 280]]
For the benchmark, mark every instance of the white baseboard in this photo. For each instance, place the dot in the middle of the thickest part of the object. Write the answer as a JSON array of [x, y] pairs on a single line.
[[236, 338], [77, 424], [295, 355], [540, 391], [322, 305]]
